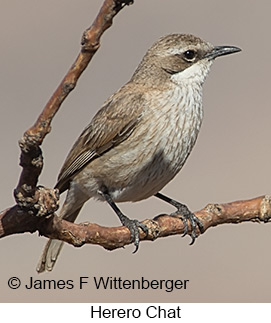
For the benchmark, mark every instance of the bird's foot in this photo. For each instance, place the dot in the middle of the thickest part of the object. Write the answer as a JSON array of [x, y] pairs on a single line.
[[186, 215], [133, 226]]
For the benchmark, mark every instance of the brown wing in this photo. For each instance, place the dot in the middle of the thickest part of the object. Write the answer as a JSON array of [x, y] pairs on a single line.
[[112, 124]]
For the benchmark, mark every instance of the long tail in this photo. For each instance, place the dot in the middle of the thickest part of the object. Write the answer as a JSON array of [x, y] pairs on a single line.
[[52, 250]]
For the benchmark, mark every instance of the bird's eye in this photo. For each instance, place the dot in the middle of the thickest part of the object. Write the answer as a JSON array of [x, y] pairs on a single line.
[[189, 55]]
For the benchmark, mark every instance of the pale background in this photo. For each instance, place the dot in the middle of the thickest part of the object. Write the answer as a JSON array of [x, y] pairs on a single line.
[[231, 160]]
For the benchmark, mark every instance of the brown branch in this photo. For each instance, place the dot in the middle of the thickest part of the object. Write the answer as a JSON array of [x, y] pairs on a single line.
[[14, 221], [90, 44], [26, 194]]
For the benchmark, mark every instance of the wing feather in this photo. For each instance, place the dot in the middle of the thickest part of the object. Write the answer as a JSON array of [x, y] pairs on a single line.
[[112, 124]]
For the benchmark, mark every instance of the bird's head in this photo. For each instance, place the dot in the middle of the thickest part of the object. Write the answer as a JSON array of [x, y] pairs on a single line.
[[180, 58]]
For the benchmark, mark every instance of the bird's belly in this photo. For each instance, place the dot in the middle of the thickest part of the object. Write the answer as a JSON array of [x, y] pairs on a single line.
[[147, 179], [136, 172]]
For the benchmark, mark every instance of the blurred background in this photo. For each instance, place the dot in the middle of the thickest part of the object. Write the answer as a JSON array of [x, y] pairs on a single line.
[[39, 42]]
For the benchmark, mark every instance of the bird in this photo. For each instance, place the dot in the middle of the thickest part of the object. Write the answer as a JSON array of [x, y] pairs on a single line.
[[141, 137]]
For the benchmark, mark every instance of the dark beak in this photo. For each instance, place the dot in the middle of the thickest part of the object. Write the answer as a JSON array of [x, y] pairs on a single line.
[[221, 51]]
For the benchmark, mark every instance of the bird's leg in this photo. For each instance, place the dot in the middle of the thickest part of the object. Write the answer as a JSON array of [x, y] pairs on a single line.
[[186, 215], [132, 225]]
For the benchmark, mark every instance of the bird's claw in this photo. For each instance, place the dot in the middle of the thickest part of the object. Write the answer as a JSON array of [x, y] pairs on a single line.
[[133, 226], [187, 215]]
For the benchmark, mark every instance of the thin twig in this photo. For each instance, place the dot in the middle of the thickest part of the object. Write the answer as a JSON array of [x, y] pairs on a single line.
[[27, 194]]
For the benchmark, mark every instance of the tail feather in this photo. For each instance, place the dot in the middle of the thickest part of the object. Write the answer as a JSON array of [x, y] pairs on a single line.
[[49, 255], [53, 248]]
